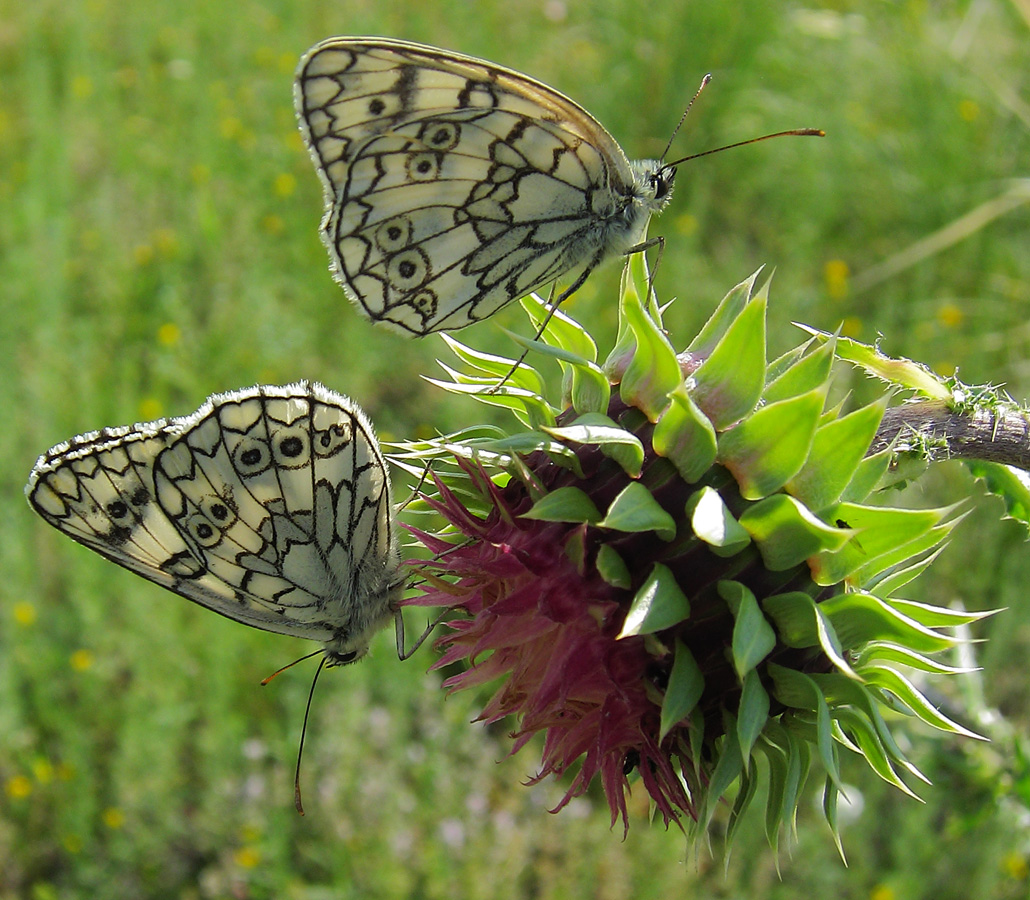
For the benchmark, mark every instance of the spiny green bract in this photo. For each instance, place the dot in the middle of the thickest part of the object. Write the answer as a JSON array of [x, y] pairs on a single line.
[[703, 517]]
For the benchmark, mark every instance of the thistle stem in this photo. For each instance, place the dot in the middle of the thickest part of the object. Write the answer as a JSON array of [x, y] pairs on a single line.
[[1000, 434]]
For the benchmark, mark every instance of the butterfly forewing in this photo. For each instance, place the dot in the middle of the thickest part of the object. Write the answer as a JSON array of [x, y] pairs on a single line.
[[256, 506], [453, 185], [99, 489], [352, 89]]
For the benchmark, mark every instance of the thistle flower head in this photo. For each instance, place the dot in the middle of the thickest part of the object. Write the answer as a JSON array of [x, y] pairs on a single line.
[[675, 570]]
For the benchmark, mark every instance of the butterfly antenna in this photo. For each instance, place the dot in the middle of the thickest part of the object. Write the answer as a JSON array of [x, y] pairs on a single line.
[[683, 118], [303, 732], [794, 132], [265, 681]]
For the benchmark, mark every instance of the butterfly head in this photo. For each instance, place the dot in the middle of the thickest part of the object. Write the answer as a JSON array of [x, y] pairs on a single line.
[[654, 180], [336, 658]]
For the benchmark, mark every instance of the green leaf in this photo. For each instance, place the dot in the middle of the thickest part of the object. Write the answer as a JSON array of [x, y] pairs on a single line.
[[789, 763], [809, 373], [837, 449], [784, 361], [831, 791], [801, 622], [659, 604], [497, 366], [896, 577], [481, 455], [799, 765], [842, 691], [564, 504], [885, 561], [1009, 483], [583, 379], [859, 617], [902, 372], [753, 712], [933, 616], [893, 681], [874, 532], [653, 372], [500, 453], [531, 409], [589, 390], [548, 350], [748, 789], [612, 568], [686, 684], [830, 643], [794, 617], [684, 436], [720, 321], [575, 548], [864, 736], [886, 651], [635, 509], [727, 769], [868, 475], [714, 524], [769, 447], [776, 756], [562, 331], [798, 690], [787, 533], [615, 442], [729, 383], [753, 637], [640, 278], [526, 442]]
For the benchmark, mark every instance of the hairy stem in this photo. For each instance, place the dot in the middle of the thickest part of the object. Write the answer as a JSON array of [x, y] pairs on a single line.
[[1000, 435]]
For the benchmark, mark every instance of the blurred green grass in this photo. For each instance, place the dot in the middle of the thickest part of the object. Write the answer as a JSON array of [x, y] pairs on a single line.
[[158, 241]]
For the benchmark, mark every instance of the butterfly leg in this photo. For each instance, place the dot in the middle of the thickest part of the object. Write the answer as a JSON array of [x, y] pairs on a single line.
[[418, 487], [642, 247], [402, 654], [553, 304]]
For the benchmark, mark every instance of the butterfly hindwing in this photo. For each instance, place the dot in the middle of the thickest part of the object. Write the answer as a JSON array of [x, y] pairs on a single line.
[[270, 506], [439, 239]]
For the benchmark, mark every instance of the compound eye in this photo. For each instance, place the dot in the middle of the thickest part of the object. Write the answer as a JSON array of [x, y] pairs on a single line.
[[663, 182]]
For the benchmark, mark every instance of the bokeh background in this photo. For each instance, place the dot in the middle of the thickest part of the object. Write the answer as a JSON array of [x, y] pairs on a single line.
[[158, 242]]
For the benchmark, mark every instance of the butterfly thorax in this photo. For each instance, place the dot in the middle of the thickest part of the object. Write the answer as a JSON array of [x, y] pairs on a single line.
[[368, 615], [645, 193]]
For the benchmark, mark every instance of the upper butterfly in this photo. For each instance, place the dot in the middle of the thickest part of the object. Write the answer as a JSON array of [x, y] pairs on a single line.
[[454, 186], [270, 506]]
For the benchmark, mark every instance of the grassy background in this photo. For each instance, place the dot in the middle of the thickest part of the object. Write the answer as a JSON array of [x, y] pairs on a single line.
[[158, 241]]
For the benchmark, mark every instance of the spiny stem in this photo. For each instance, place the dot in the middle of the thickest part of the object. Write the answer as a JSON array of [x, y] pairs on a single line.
[[999, 434]]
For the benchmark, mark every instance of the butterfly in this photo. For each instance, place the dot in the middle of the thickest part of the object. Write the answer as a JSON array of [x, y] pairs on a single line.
[[270, 506], [454, 186]]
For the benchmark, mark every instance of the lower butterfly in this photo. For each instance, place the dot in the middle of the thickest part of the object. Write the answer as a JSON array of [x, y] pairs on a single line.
[[270, 506], [454, 186]]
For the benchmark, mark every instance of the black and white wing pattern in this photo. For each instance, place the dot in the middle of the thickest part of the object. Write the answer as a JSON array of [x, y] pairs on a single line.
[[269, 505], [454, 186]]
